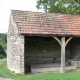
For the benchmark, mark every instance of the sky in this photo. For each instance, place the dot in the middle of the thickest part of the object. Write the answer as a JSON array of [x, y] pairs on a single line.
[[7, 5]]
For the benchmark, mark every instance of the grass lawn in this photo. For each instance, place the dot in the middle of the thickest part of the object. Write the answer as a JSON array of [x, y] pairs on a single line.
[[4, 72]]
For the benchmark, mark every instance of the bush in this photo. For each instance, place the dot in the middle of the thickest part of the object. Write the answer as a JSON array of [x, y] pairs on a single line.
[[3, 40], [2, 52]]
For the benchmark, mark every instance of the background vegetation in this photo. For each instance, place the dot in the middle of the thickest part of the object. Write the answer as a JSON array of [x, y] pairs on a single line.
[[60, 6], [3, 44], [3, 40]]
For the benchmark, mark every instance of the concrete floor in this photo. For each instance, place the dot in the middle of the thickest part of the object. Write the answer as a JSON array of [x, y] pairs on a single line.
[[37, 68]]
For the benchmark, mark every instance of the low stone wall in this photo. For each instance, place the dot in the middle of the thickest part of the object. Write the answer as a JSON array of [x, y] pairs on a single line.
[[39, 60], [75, 63]]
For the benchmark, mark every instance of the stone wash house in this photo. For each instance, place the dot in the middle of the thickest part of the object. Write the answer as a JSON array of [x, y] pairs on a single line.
[[40, 42]]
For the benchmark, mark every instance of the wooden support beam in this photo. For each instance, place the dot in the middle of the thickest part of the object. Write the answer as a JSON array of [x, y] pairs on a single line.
[[62, 55], [63, 44], [68, 40], [57, 40]]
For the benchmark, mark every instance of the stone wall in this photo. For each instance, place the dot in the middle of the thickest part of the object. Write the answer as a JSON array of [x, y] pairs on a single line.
[[75, 46], [15, 49], [44, 49], [41, 47]]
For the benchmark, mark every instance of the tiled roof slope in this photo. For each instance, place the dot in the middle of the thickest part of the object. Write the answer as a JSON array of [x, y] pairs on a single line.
[[46, 23]]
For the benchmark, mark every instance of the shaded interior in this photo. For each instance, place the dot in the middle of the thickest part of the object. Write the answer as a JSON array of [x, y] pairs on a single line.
[[45, 50]]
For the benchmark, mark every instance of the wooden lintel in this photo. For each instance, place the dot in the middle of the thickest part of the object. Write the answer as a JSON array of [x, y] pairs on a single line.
[[57, 40], [68, 40]]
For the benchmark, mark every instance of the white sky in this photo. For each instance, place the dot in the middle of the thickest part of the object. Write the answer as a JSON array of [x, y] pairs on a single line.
[[6, 5]]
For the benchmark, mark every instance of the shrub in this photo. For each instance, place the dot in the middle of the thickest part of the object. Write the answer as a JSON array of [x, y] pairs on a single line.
[[2, 52]]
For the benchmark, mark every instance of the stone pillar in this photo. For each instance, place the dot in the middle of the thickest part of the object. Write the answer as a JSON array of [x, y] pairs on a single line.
[[62, 54]]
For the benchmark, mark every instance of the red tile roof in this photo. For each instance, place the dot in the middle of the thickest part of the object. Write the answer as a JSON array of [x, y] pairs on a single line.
[[46, 23]]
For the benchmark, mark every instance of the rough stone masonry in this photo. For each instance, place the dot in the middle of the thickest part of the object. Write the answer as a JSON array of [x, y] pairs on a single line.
[[15, 48]]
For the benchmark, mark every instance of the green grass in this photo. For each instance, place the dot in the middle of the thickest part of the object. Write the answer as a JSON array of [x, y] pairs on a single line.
[[4, 72]]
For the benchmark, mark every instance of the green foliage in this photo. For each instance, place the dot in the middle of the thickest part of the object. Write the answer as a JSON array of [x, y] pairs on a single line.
[[3, 44], [60, 6], [3, 40], [2, 52]]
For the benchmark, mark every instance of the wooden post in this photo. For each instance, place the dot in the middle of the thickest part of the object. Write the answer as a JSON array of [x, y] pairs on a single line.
[[62, 54], [63, 44]]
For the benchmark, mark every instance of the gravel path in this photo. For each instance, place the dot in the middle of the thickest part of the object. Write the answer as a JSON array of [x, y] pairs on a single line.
[[4, 79]]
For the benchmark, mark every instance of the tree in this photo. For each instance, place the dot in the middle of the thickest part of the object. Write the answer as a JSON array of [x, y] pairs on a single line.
[[3, 40], [60, 6], [2, 52]]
